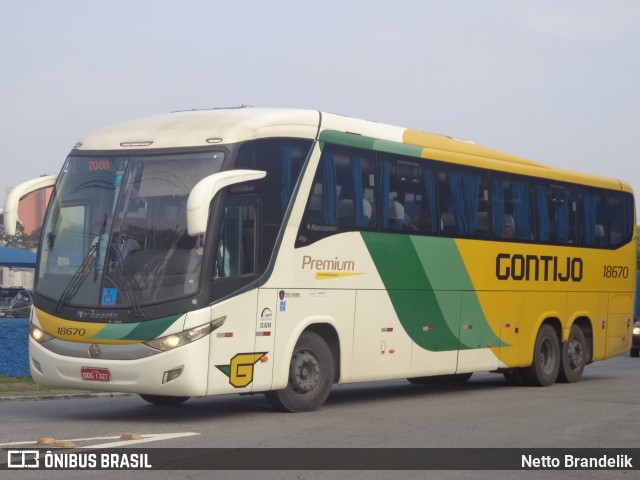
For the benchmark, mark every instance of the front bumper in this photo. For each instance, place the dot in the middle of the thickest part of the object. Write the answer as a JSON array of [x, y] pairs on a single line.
[[139, 375]]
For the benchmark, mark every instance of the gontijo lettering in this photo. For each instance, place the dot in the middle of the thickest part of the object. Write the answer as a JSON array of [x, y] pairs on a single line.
[[545, 268]]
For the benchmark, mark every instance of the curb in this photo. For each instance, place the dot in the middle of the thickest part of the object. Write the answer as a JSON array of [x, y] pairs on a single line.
[[62, 396]]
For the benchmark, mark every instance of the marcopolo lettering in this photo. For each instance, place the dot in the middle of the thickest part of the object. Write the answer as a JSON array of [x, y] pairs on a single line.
[[545, 268]]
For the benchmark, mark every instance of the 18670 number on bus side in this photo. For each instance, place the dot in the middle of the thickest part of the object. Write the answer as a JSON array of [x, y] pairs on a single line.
[[615, 271]]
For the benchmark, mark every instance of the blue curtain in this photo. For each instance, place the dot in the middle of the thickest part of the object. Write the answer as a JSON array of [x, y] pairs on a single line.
[[589, 218], [522, 210], [384, 193], [465, 189], [471, 188], [286, 177], [329, 190], [428, 177], [358, 192], [542, 198], [497, 207], [562, 215]]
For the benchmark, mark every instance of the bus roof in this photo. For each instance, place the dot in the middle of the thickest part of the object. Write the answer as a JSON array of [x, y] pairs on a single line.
[[194, 128]]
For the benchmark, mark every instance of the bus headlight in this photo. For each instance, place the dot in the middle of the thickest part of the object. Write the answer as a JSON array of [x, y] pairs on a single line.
[[39, 335], [179, 339], [636, 330]]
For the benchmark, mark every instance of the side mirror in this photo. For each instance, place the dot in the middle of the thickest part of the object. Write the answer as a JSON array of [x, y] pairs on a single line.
[[16, 193], [207, 188]]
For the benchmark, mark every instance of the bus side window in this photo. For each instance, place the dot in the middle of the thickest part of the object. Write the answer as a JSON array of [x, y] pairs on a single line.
[[342, 197], [236, 250], [512, 207], [408, 194], [463, 196], [620, 217], [282, 159], [593, 222]]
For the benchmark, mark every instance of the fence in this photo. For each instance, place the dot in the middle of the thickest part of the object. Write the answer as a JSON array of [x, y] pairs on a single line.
[[14, 349]]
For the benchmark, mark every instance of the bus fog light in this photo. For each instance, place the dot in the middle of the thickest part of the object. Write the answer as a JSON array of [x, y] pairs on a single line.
[[37, 366], [171, 375]]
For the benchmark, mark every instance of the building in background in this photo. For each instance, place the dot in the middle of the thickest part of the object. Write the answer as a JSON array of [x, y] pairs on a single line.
[[32, 209], [31, 212]]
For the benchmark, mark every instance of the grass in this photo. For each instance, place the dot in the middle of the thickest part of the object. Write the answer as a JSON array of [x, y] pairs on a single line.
[[4, 379], [21, 386]]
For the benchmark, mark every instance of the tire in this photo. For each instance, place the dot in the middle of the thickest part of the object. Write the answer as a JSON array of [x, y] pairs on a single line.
[[310, 376], [573, 356], [543, 372], [635, 352], [164, 400], [441, 379]]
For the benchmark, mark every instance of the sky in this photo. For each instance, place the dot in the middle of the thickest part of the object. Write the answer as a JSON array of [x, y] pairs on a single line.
[[556, 81]]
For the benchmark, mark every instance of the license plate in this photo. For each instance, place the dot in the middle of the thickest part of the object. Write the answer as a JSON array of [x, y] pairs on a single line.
[[95, 374]]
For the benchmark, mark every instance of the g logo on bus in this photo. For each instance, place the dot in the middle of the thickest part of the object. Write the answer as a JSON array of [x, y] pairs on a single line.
[[240, 370], [95, 351]]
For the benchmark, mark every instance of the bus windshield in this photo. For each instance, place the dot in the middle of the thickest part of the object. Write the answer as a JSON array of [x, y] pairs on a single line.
[[116, 234]]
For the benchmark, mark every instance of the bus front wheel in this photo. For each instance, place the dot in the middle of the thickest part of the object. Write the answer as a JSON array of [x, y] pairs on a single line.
[[546, 359], [310, 376], [574, 356]]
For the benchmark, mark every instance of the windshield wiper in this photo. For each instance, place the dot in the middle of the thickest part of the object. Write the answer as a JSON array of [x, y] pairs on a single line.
[[79, 276], [137, 309]]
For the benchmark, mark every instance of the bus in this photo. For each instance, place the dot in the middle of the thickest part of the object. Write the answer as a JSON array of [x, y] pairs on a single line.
[[282, 251]]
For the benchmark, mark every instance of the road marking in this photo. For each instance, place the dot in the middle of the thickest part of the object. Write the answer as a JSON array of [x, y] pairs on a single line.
[[154, 437], [149, 437]]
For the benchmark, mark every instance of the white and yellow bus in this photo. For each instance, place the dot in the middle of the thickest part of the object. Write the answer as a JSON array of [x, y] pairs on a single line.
[[282, 251]]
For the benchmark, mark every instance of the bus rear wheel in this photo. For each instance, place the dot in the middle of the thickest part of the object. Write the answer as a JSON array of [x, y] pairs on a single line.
[[574, 356], [543, 372], [164, 400], [310, 376]]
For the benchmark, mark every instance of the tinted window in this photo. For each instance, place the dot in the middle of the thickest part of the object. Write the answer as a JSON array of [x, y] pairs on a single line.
[[343, 196], [464, 201]]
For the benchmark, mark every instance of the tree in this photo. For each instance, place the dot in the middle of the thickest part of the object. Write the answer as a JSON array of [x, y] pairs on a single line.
[[16, 241], [31, 242]]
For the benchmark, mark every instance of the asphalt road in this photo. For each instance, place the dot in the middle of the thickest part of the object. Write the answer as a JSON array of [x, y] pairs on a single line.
[[602, 410]]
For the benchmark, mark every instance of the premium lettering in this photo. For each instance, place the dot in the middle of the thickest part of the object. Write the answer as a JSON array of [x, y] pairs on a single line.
[[326, 264]]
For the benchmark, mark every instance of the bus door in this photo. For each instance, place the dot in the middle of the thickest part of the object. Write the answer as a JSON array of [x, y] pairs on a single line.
[[381, 348], [437, 323], [619, 324], [477, 337], [513, 351], [234, 348]]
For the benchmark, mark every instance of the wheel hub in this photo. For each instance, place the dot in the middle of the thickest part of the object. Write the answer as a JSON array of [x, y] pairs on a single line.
[[546, 357], [574, 353], [306, 372]]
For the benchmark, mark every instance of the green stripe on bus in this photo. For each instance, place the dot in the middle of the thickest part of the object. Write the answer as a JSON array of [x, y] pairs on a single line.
[[368, 143], [136, 331], [430, 290]]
